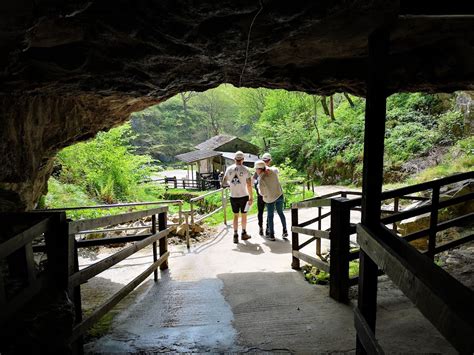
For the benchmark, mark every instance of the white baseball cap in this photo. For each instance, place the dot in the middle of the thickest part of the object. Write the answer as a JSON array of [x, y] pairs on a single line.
[[259, 164], [239, 155], [266, 156]]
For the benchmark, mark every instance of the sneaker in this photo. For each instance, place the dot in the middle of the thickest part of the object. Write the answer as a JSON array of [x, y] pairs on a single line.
[[260, 231], [285, 235], [236, 238], [245, 236], [267, 232], [271, 237]]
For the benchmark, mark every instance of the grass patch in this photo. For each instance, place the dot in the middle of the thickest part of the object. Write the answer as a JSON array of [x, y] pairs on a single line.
[[317, 276], [102, 326]]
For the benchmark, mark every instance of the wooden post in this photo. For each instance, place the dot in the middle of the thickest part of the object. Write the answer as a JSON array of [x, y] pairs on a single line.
[[319, 220], [188, 244], [191, 205], [295, 263], [180, 212], [396, 206], [339, 237], [224, 205], [154, 246], [62, 262], [184, 184], [162, 221], [3, 296], [433, 222], [373, 170], [175, 182]]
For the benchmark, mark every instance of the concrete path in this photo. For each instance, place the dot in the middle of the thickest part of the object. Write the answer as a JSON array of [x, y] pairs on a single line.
[[223, 297]]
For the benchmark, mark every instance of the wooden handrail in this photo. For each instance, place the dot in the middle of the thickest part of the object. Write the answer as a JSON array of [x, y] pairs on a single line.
[[194, 199], [82, 327], [116, 205], [24, 237], [427, 185], [87, 224], [86, 274], [425, 284]]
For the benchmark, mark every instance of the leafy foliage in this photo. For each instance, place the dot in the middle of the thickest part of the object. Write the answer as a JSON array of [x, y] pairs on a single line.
[[105, 167], [305, 137]]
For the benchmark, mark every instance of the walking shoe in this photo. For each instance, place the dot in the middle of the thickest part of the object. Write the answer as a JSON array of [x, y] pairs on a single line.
[[271, 237], [267, 232], [285, 235], [245, 236], [236, 238], [260, 231]]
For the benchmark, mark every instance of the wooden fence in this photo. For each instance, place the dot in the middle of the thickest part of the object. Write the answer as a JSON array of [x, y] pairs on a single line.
[[339, 235], [443, 300], [412, 270], [61, 248], [189, 184], [189, 215]]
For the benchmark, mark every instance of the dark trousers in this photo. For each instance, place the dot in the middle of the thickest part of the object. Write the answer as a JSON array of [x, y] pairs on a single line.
[[260, 207]]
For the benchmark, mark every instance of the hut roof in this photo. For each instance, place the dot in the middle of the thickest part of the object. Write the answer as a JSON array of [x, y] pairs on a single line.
[[215, 142], [197, 155]]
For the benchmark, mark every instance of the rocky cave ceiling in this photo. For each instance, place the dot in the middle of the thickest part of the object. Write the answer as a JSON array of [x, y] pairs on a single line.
[[158, 48], [70, 68]]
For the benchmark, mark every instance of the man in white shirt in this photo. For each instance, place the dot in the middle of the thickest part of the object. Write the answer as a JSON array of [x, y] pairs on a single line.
[[238, 177]]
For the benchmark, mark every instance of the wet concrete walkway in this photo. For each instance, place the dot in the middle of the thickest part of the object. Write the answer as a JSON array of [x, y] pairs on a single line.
[[223, 297]]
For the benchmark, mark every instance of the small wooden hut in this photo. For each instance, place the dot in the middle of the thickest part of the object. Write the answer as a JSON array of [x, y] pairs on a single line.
[[214, 155]]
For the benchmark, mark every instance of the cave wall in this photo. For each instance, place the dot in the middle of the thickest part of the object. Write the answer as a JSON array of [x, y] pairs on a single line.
[[35, 128], [74, 67]]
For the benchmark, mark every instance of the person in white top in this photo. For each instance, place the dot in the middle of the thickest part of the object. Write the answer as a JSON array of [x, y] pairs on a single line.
[[267, 158], [272, 193], [238, 178]]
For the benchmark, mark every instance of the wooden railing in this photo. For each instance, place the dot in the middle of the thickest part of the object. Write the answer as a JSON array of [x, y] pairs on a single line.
[[159, 233], [338, 234], [189, 215], [189, 184], [16, 250], [443, 300], [307, 186], [341, 227], [19, 231]]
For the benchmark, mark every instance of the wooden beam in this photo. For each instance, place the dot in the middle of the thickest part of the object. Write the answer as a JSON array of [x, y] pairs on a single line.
[[339, 268], [366, 335], [312, 203], [309, 241], [163, 242], [295, 262], [24, 237], [87, 224], [372, 176], [443, 300], [85, 274], [452, 244], [314, 220], [314, 232], [108, 241], [81, 328], [428, 185], [311, 260]]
